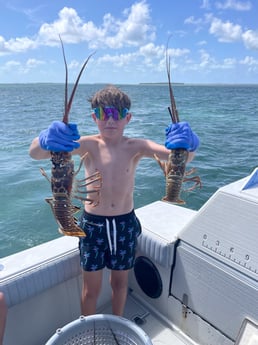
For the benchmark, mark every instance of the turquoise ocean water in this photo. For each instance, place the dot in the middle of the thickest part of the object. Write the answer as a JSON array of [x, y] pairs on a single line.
[[225, 118]]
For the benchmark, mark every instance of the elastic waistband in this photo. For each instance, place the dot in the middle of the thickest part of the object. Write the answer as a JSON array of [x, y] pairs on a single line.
[[96, 217], [111, 226]]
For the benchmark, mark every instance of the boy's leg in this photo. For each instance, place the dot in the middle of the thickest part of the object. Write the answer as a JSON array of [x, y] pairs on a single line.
[[91, 286], [119, 285]]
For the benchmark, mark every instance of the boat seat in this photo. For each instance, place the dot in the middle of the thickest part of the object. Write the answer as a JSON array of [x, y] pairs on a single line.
[[161, 224], [44, 267]]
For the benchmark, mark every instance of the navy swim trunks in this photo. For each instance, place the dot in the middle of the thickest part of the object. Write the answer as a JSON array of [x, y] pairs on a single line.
[[110, 241]]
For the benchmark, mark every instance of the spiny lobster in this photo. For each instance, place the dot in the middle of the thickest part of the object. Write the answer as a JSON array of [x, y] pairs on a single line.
[[63, 183], [174, 168]]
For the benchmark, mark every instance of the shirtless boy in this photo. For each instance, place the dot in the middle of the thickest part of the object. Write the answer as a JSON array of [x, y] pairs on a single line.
[[111, 227]]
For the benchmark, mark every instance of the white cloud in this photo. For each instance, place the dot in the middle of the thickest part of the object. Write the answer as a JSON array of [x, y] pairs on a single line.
[[21, 68], [202, 43], [234, 5], [16, 45], [251, 63], [152, 51], [9, 65], [225, 31], [178, 52], [71, 28], [32, 63], [114, 33], [133, 30], [206, 4], [250, 39], [198, 23], [149, 55], [229, 62], [229, 32], [192, 20], [74, 64], [118, 60], [208, 62], [249, 60], [206, 59]]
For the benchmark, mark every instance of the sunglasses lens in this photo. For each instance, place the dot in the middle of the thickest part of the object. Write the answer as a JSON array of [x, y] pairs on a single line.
[[104, 113], [111, 112]]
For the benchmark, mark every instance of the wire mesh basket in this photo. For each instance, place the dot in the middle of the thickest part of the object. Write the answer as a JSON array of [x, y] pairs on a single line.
[[101, 329]]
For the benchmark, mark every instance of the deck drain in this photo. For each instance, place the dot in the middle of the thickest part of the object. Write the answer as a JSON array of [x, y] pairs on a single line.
[[139, 320]]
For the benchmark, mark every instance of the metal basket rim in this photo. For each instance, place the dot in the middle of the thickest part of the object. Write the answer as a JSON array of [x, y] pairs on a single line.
[[84, 322]]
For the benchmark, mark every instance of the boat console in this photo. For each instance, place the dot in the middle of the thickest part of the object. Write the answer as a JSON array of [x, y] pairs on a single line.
[[203, 264]]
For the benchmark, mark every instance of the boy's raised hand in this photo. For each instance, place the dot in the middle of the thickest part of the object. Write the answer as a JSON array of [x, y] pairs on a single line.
[[59, 137], [180, 136]]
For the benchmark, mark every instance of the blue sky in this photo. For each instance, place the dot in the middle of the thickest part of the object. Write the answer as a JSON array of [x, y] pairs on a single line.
[[211, 41]]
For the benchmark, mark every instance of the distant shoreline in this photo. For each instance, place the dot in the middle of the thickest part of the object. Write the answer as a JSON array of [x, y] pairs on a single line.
[[197, 84], [161, 83]]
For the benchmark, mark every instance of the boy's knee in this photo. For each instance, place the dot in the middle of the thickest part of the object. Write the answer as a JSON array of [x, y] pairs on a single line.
[[90, 294], [118, 284]]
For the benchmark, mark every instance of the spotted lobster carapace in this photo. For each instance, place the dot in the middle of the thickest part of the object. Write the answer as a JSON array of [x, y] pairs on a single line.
[[63, 183], [174, 168]]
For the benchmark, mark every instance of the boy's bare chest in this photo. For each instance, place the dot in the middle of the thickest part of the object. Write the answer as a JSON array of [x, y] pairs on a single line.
[[113, 155]]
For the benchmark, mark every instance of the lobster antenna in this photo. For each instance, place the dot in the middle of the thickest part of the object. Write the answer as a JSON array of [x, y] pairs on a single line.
[[172, 110], [66, 113], [68, 104], [76, 83]]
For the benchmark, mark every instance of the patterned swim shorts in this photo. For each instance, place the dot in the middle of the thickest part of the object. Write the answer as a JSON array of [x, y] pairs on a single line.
[[110, 241]]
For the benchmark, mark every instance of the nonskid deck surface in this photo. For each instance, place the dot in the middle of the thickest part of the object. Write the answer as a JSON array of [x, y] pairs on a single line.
[[154, 326]]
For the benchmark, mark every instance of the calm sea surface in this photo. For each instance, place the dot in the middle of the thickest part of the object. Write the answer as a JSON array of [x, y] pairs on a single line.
[[225, 118]]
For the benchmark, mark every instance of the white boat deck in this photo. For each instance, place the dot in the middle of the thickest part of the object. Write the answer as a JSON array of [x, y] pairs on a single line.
[[158, 329]]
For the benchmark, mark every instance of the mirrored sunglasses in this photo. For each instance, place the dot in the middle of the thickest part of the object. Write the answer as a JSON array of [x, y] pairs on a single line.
[[104, 113]]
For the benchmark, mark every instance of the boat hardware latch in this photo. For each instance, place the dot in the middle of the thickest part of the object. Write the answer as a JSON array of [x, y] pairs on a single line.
[[184, 305]]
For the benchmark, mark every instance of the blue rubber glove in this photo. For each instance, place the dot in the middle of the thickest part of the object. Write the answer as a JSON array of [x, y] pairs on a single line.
[[59, 137], [180, 136]]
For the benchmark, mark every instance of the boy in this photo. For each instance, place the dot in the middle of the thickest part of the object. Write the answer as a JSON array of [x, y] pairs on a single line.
[[111, 227]]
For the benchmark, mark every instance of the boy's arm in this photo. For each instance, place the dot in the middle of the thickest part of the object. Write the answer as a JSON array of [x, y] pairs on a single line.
[[150, 148], [36, 152]]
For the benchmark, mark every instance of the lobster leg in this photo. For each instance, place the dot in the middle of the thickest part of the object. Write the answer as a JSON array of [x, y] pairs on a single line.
[[197, 181], [80, 165], [44, 174], [93, 178], [163, 165]]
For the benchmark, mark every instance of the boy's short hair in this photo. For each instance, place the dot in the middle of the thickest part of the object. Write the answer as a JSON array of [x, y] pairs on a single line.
[[110, 96]]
